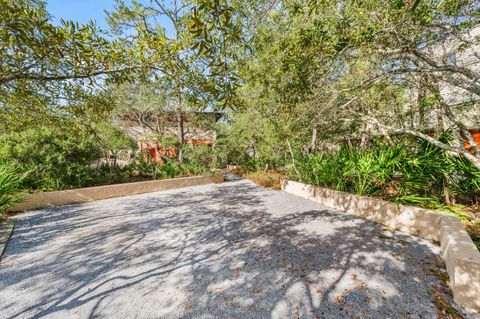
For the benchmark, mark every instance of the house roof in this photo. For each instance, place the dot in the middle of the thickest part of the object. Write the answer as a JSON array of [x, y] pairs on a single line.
[[171, 115]]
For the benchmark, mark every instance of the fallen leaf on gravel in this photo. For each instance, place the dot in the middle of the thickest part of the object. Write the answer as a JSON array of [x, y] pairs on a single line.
[[360, 287]]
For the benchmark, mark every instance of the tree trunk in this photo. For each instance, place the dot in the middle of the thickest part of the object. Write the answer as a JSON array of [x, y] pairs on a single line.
[[180, 133], [420, 99], [293, 158], [313, 144], [178, 90]]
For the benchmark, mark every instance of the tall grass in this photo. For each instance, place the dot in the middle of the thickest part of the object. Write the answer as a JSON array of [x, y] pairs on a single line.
[[10, 187]]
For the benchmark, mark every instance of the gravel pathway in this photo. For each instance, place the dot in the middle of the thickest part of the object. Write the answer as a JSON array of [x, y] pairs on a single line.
[[231, 250]]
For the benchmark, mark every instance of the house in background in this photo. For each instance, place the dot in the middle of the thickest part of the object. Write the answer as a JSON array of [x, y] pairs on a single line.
[[155, 133], [464, 104]]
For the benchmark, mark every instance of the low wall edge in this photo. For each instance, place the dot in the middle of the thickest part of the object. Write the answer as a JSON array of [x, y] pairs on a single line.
[[461, 256]]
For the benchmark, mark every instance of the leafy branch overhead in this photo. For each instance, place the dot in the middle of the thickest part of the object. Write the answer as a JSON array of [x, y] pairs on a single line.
[[64, 65], [34, 49]]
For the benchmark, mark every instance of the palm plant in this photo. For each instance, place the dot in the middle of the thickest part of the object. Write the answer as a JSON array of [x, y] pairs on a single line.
[[10, 187], [420, 174]]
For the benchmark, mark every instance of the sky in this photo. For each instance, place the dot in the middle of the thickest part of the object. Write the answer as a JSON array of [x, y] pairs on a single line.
[[81, 11]]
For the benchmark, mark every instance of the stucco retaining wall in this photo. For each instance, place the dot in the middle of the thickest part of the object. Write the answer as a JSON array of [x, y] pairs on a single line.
[[461, 256], [71, 196]]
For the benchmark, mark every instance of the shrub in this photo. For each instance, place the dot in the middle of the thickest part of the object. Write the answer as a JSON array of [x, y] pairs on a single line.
[[465, 180], [421, 173], [107, 174], [63, 157], [170, 169], [365, 172], [56, 158], [199, 159], [10, 187]]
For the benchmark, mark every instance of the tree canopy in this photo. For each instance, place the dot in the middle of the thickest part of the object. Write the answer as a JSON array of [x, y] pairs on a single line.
[[315, 71], [50, 70]]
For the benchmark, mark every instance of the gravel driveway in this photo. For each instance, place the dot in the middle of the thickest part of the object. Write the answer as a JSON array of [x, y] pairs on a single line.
[[231, 250]]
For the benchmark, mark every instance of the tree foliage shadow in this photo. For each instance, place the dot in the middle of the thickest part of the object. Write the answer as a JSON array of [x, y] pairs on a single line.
[[228, 252]]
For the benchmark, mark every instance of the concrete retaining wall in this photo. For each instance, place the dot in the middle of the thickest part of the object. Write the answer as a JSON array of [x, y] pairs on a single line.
[[461, 256], [71, 196]]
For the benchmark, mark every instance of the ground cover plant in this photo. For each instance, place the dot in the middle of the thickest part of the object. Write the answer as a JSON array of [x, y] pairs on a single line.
[[415, 173]]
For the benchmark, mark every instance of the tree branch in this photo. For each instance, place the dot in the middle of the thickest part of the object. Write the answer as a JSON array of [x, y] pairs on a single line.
[[47, 78]]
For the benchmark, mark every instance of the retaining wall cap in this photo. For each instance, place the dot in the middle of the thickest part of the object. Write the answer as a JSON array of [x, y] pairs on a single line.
[[71, 196]]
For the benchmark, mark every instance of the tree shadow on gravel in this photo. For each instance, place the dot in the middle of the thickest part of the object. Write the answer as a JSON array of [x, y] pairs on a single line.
[[231, 250]]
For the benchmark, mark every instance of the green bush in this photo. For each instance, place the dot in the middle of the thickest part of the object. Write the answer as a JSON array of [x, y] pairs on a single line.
[[61, 158], [169, 168], [64, 157], [107, 174], [420, 174], [199, 159], [465, 179], [56, 158], [365, 172], [10, 187]]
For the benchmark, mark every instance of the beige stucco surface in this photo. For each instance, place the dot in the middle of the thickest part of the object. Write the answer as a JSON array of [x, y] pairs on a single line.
[[42, 200]]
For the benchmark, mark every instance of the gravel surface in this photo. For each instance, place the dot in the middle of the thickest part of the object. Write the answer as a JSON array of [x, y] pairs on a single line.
[[231, 250]]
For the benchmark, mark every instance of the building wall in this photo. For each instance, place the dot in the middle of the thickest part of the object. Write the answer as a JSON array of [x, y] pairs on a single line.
[[455, 52], [476, 137], [149, 141]]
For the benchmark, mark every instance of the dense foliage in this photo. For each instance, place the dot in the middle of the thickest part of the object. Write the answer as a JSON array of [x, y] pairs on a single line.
[[56, 158], [10, 186], [49, 69], [419, 173]]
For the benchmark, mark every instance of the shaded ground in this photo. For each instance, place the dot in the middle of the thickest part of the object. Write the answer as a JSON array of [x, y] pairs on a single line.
[[230, 250]]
